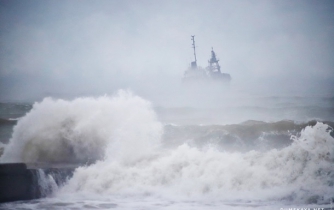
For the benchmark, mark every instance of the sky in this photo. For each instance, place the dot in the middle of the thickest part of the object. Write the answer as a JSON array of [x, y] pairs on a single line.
[[74, 48]]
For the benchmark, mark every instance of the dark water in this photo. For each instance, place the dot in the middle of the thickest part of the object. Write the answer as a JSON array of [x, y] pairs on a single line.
[[9, 114], [246, 136]]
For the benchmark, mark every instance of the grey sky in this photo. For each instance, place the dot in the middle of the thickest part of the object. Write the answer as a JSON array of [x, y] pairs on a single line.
[[75, 48]]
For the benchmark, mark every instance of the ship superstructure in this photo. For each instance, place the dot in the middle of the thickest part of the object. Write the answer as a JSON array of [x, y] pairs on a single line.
[[212, 73]]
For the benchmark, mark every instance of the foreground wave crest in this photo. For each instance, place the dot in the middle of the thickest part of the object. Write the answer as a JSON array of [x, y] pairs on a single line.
[[84, 130]]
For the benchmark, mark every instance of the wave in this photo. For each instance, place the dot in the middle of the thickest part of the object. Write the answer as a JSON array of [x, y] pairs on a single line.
[[13, 110], [238, 113], [10, 121], [131, 153], [302, 172], [246, 136], [81, 130]]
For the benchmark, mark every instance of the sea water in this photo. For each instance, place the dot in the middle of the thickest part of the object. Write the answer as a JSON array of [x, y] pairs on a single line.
[[133, 155]]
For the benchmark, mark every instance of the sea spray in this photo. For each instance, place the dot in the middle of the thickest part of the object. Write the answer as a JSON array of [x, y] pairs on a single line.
[[297, 173], [46, 183], [122, 136], [80, 130]]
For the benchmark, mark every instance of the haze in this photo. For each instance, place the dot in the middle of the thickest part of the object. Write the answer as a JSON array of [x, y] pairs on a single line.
[[67, 49]]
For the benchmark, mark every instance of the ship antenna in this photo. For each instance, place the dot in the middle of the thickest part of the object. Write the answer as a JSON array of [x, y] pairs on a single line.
[[193, 38]]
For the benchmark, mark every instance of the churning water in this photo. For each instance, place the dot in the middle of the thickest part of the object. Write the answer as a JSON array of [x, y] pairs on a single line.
[[134, 156]]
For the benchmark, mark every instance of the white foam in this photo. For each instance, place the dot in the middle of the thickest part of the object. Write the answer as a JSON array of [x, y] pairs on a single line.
[[82, 129], [298, 172], [123, 134]]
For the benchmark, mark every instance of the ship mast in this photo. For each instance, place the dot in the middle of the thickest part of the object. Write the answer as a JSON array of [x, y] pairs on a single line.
[[194, 64], [213, 63]]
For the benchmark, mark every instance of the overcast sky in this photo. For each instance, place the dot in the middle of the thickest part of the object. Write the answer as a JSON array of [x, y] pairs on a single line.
[[75, 48]]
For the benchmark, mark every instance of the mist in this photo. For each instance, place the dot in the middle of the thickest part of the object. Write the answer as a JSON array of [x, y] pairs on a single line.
[[68, 49]]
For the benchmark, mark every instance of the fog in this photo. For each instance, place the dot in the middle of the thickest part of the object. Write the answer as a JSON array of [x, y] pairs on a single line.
[[66, 49]]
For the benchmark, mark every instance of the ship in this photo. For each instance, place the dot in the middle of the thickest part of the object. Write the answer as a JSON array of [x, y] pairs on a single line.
[[212, 74]]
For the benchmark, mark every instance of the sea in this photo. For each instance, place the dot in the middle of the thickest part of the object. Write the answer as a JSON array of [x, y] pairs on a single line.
[[235, 152]]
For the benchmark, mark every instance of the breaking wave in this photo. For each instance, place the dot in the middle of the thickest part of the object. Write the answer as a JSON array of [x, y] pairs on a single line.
[[83, 130], [131, 153], [246, 136], [301, 172]]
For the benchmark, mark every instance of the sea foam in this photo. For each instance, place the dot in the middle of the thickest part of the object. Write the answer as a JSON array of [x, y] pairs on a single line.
[[84, 129], [302, 172], [121, 137]]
